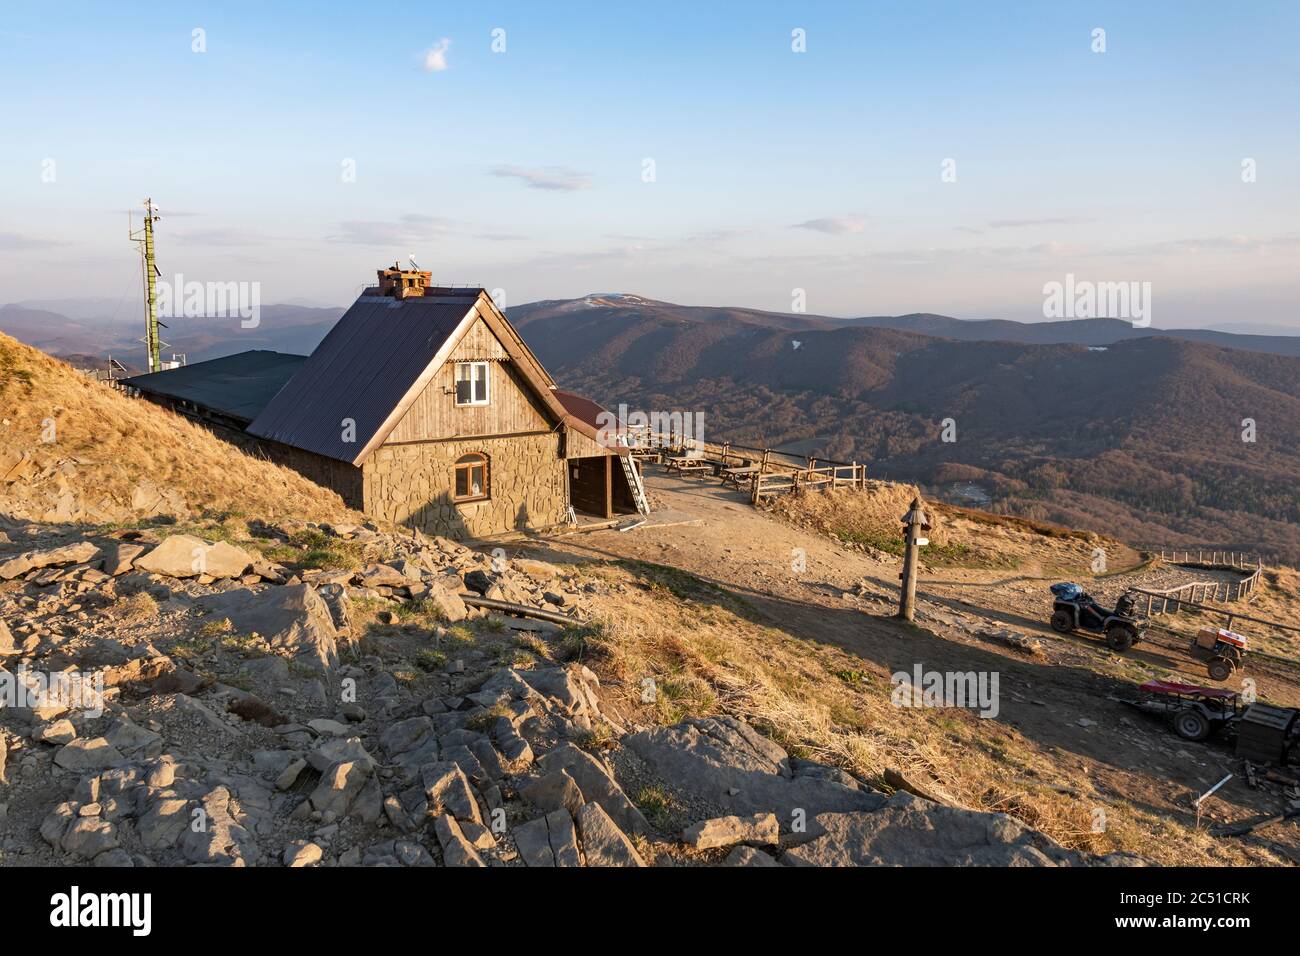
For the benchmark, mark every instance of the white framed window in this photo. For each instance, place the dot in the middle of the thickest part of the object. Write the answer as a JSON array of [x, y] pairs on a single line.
[[471, 383]]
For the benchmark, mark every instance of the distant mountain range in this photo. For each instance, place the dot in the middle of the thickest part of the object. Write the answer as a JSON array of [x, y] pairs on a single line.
[[1134, 432], [281, 328], [575, 314], [1090, 423]]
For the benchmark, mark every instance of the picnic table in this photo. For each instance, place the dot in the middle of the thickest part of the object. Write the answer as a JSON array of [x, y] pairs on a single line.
[[687, 463], [739, 475]]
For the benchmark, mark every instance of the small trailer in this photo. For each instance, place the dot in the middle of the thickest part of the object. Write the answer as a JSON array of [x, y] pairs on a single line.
[[1264, 733], [1196, 712]]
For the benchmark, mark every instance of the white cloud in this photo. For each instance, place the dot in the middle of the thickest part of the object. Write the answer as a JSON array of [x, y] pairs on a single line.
[[835, 225], [435, 58], [406, 230], [549, 177]]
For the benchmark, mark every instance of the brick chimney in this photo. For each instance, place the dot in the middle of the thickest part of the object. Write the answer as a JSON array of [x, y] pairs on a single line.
[[403, 283]]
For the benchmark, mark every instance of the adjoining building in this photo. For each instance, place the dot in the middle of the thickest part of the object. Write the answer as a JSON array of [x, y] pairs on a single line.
[[421, 406]]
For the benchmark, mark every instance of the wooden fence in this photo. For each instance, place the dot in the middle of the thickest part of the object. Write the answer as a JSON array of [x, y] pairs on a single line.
[[763, 472], [1194, 593], [1210, 558]]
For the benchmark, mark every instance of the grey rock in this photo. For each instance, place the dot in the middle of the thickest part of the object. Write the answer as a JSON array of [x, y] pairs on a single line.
[[748, 856], [291, 617], [338, 787], [554, 791], [597, 785], [55, 732], [85, 754], [78, 553], [910, 831], [761, 829], [447, 789], [300, 853], [88, 837], [163, 823], [185, 556], [726, 762], [222, 839], [603, 843], [456, 850]]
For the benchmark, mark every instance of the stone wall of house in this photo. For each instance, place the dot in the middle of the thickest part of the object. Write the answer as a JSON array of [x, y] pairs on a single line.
[[412, 484]]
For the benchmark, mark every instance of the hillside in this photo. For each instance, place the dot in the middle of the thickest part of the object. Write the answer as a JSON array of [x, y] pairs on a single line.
[[1141, 438], [589, 313], [113, 459]]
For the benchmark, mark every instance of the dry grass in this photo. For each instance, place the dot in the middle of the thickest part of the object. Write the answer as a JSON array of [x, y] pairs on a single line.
[[959, 537], [699, 652], [111, 443]]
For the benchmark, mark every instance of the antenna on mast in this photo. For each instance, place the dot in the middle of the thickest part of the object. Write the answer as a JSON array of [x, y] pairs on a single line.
[[151, 274]]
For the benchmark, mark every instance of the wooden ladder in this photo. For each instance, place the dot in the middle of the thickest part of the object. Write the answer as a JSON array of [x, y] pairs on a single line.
[[634, 479]]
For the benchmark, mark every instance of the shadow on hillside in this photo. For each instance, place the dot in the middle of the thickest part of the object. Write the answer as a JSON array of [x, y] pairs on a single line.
[[1068, 691]]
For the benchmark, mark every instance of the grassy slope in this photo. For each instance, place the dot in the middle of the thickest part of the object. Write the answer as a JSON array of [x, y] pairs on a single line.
[[107, 443]]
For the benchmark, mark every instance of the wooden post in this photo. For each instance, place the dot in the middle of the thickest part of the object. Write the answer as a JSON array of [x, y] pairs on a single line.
[[609, 486], [914, 522]]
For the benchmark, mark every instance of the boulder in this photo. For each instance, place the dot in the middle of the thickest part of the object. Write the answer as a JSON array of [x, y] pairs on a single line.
[[447, 790], [597, 785], [293, 617], [603, 843], [727, 763], [161, 826], [554, 791], [300, 853], [456, 849], [185, 556], [541, 570], [119, 556], [910, 831], [88, 837], [55, 732], [222, 840], [548, 841], [449, 604], [78, 553], [761, 829], [748, 856], [338, 787], [84, 755]]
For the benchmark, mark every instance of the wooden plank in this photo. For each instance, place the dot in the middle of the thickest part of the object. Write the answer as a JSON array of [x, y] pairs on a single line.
[[609, 486]]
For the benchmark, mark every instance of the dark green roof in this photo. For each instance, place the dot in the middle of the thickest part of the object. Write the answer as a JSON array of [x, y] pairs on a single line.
[[236, 386]]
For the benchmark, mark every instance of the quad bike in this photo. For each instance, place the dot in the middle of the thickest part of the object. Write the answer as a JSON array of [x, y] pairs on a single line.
[[1074, 609], [1223, 651]]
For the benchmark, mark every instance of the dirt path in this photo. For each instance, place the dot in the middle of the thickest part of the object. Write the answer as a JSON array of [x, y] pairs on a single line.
[[1064, 698]]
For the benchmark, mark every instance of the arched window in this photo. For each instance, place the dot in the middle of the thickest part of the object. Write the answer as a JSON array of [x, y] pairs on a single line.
[[471, 477]]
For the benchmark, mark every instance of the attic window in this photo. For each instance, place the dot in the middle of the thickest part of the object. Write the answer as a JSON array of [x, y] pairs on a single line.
[[471, 474], [471, 383]]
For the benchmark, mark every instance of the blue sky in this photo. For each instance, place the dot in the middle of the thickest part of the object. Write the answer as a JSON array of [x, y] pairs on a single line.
[[774, 170]]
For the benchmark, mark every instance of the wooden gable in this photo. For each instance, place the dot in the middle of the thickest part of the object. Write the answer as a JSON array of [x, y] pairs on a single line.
[[512, 407]]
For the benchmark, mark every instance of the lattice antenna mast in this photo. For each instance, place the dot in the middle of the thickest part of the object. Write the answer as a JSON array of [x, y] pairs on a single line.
[[151, 274]]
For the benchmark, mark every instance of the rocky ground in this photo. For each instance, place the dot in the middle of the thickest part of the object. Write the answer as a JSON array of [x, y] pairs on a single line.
[[251, 714]]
